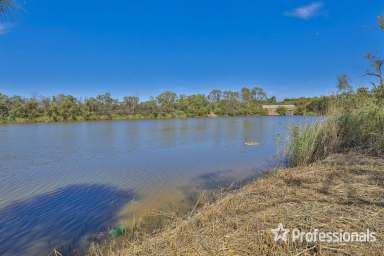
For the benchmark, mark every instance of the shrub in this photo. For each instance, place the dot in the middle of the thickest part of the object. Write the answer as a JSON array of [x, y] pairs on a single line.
[[281, 110]]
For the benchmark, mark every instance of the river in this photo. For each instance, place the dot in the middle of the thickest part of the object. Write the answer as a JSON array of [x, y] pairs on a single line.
[[62, 182]]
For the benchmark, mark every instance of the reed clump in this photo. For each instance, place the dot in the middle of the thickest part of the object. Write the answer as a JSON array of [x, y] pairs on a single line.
[[355, 122]]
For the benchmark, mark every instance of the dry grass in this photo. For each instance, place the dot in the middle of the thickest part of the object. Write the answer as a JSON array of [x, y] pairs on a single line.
[[342, 192]]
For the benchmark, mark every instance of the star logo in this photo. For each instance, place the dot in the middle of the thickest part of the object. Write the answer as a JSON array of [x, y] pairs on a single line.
[[280, 233]]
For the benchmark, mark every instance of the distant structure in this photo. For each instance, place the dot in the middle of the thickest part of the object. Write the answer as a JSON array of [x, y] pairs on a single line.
[[212, 114], [272, 109]]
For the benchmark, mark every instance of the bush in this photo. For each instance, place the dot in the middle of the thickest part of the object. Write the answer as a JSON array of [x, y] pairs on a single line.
[[281, 110]]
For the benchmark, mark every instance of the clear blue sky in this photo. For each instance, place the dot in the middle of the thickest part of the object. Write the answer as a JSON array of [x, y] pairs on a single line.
[[135, 47]]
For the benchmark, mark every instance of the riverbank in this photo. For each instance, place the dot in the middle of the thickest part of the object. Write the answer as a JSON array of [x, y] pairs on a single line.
[[343, 192], [125, 118], [96, 119]]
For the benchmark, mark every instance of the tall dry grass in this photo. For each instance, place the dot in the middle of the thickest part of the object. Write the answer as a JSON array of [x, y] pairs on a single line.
[[355, 122]]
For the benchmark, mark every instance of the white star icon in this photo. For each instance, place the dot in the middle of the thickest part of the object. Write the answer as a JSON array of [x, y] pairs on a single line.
[[280, 233]]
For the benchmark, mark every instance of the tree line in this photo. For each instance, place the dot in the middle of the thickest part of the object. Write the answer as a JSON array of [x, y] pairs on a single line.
[[247, 101]]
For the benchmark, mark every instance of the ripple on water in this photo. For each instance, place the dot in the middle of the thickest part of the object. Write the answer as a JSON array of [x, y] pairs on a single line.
[[59, 218]]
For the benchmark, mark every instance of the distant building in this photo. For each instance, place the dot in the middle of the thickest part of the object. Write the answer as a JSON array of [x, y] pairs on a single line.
[[272, 109]]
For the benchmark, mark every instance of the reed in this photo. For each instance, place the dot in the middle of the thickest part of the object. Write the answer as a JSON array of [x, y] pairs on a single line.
[[353, 123]]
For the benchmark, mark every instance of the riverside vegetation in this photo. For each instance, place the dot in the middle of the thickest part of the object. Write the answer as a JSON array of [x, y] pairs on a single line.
[[335, 183], [247, 101]]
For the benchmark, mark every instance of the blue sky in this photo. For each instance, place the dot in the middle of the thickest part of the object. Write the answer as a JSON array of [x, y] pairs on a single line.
[[290, 48]]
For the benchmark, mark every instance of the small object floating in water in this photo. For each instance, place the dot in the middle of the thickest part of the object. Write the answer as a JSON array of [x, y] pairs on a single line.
[[118, 231], [251, 143]]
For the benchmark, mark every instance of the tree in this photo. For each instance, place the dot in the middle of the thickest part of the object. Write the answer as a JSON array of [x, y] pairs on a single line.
[[44, 104], [377, 70], [53, 111], [193, 105], [68, 107], [6, 6], [4, 106], [105, 104], [130, 104], [91, 105], [31, 109], [380, 20], [231, 96], [246, 94], [258, 94], [343, 84], [167, 101], [230, 105], [168, 104], [149, 107], [16, 109], [272, 100], [215, 96]]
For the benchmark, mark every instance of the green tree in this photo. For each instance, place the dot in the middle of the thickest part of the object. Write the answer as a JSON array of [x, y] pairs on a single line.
[[69, 107], [193, 105], [31, 109], [6, 6], [246, 94], [53, 111], [16, 109], [105, 104], [92, 105], [259, 94], [44, 104], [230, 105], [167, 101], [272, 100], [168, 104], [380, 20], [4, 106], [130, 104], [215, 96], [149, 108]]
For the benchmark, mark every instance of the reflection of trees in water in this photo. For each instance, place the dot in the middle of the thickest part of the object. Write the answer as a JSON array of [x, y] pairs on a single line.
[[253, 129], [132, 135], [167, 133], [216, 131]]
